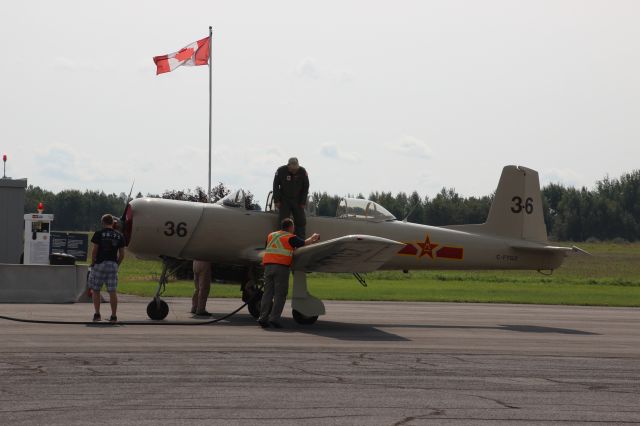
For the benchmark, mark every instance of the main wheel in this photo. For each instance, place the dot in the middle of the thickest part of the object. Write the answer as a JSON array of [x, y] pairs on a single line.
[[303, 319], [253, 304], [252, 296], [157, 310]]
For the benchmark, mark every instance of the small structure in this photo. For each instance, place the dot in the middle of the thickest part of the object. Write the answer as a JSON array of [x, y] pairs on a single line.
[[36, 281], [12, 192]]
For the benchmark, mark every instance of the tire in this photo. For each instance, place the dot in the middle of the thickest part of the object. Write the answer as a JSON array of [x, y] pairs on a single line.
[[157, 310], [303, 319], [254, 305]]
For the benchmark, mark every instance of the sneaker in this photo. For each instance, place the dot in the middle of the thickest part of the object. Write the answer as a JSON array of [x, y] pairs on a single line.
[[203, 314], [96, 317], [264, 324], [275, 324], [113, 318]]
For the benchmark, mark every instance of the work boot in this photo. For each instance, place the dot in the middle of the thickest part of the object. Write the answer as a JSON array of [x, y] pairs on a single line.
[[275, 324]]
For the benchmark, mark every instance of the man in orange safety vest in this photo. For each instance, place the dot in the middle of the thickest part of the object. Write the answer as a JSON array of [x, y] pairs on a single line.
[[278, 256]]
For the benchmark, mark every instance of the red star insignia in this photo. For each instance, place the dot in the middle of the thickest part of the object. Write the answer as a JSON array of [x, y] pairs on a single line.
[[427, 247]]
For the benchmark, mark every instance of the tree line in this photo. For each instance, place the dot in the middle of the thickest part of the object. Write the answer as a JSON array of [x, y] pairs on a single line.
[[611, 210]]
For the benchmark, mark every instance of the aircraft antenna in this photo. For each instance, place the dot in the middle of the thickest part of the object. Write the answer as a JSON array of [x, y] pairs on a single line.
[[410, 211], [360, 279]]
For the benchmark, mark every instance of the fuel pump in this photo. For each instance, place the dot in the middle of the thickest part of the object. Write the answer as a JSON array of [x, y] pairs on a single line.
[[37, 237]]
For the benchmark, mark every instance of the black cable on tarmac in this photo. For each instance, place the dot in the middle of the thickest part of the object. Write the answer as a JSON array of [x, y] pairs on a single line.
[[105, 323]]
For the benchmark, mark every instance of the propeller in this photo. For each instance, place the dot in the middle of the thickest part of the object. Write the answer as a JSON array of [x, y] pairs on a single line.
[[125, 222]]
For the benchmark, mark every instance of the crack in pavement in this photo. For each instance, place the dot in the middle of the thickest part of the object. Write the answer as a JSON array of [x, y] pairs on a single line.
[[497, 401]]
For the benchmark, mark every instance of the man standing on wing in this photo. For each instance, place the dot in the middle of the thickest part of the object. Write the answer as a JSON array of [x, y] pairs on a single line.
[[277, 259], [106, 256], [290, 191]]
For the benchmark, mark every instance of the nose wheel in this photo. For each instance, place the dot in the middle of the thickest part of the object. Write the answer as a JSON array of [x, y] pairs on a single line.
[[157, 309]]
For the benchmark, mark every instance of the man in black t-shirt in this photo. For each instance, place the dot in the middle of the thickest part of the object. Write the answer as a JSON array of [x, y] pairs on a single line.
[[106, 256]]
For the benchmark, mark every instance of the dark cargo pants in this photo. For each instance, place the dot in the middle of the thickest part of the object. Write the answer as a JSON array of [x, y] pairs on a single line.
[[276, 287], [288, 208]]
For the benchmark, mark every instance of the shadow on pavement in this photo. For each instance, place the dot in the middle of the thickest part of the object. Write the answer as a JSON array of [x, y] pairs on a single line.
[[505, 327]]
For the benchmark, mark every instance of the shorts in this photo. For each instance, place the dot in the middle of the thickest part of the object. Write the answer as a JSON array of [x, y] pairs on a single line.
[[104, 273]]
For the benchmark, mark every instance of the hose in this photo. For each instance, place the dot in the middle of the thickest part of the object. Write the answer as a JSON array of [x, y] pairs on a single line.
[[213, 321], [159, 322]]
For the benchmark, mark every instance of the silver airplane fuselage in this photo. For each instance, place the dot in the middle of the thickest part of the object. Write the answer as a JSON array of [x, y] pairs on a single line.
[[233, 235]]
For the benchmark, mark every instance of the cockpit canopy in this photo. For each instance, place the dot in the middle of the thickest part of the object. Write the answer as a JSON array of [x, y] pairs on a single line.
[[348, 208], [234, 199], [357, 208]]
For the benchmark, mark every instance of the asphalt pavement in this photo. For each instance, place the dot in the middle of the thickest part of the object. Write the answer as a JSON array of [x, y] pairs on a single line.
[[364, 363]]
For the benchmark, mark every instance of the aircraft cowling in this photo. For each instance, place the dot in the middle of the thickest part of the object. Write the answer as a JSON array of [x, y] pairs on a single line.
[[161, 227]]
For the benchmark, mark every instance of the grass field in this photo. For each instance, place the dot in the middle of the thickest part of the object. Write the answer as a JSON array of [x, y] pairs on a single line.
[[611, 277]]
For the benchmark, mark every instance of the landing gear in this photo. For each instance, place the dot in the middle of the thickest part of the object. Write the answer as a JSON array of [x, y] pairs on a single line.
[[306, 308], [253, 302], [303, 319], [158, 309], [252, 292]]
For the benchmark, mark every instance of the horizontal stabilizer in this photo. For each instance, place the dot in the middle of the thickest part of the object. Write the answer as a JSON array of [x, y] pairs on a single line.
[[546, 248], [352, 253]]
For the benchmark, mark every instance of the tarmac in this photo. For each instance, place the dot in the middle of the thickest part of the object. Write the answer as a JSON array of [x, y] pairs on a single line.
[[364, 363]]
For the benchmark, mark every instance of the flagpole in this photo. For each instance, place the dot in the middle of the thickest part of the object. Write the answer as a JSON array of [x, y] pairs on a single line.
[[210, 108]]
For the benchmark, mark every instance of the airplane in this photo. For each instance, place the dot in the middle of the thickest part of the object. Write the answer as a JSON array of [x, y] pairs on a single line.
[[362, 237]]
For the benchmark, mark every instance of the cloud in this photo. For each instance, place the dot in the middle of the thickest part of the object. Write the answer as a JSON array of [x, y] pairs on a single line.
[[342, 76], [255, 160], [411, 147], [61, 163], [67, 64], [331, 150], [567, 177], [58, 163], [64, 63], [308, 68]]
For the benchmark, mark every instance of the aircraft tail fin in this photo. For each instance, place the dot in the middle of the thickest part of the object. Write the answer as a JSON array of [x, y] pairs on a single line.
[[516, 211]]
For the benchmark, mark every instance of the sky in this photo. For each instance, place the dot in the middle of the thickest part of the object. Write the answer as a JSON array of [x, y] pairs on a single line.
[[369, 95]]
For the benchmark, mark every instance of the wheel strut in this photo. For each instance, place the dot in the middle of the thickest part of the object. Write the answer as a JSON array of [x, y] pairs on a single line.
[[158, 309]]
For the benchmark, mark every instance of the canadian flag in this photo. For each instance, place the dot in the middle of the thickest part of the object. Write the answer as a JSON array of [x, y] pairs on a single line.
[[197, 53]]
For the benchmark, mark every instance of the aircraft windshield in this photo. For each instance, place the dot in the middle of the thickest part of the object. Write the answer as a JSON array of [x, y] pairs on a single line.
[[356, 208], [234, 199]]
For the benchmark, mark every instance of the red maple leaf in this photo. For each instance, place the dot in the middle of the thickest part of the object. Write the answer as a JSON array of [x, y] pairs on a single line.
[[184, 54]]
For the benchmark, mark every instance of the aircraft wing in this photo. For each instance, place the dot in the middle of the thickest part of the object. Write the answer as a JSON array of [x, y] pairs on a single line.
[[351, 253]]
